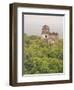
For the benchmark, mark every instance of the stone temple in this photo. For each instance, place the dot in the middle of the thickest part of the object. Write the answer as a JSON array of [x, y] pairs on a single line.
[[50, 37]]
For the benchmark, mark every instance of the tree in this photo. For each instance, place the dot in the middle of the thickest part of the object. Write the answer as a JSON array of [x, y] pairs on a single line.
[[40, 57]]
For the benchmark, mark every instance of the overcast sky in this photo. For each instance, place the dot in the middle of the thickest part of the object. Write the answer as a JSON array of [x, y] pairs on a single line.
[[33, 24]]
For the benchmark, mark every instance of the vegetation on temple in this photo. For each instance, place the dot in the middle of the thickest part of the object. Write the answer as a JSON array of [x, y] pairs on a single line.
[[41, 57]]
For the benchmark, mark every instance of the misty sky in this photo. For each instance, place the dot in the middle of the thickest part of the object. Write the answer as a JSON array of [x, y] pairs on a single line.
[[33, 24]]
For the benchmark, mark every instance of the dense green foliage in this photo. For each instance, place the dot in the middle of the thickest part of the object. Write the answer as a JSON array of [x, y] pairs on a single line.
[[41, 57]]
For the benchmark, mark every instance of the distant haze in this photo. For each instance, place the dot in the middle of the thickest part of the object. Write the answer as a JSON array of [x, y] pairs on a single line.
[[33, 24]]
